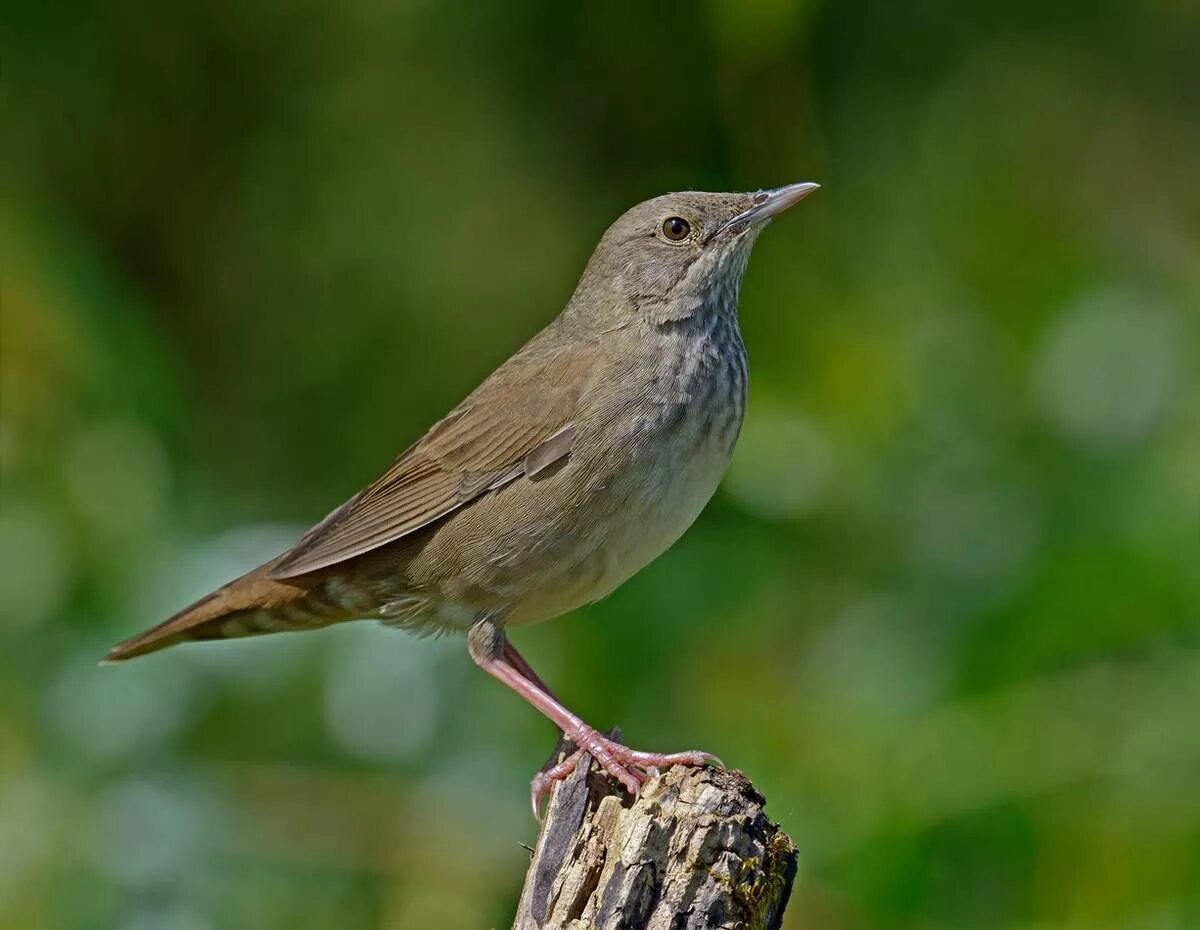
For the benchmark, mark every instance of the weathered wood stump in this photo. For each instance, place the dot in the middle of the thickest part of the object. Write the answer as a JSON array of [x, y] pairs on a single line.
[[694, 852]]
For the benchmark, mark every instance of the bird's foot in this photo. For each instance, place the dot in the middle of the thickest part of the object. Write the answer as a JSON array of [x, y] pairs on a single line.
[[631, 767]]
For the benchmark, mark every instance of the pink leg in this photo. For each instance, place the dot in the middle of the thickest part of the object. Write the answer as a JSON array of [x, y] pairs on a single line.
[[487, 646], [542, 782], [517, 661]]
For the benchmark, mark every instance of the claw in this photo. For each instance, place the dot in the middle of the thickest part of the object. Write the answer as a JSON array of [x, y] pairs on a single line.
[[630, 767], [544, 780]]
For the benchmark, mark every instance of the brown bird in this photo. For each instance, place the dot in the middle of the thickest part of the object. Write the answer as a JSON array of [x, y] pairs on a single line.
[[573, 465]]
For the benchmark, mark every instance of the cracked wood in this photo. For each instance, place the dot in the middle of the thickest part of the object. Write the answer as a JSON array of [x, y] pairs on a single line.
[[694, 852]]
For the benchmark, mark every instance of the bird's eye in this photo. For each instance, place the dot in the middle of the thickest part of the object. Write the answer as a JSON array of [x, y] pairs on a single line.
[[676, 228]]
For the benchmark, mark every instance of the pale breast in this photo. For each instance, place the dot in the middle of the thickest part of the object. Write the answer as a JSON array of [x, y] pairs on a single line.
[[679, 438]]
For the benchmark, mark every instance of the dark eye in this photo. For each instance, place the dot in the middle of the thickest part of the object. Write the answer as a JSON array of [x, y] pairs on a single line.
[[676, 228]]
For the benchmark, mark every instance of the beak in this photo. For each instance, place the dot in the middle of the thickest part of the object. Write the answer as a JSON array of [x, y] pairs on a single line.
[[768, 203]]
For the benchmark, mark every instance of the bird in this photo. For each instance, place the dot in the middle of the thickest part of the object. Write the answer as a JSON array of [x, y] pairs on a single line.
[[577, 462]]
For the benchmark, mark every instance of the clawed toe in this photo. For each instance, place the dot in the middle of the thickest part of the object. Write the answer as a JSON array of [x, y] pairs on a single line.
[[544, 780], [648, 760], [630, 767]]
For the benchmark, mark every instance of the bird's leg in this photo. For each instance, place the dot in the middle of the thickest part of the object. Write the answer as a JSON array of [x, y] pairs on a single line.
[[565, 756], [517, 661], [490, 650]]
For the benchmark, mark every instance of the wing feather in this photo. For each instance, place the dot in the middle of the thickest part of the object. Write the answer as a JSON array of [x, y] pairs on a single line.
[[516, 424]]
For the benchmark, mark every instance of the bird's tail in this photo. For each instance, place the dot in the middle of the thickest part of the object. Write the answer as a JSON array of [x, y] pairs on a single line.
[[248, 606]]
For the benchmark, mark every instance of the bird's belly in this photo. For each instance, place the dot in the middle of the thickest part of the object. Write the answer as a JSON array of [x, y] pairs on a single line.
[[637, 515], [670, 501]]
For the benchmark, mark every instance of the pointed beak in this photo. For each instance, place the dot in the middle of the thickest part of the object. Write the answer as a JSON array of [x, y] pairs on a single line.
[[766, 204]]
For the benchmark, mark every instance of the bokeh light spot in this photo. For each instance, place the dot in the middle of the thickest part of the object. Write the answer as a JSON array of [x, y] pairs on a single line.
[[34, 576], [381, 700], [117, 476], [782, 467], [1106, 368], [105, 714], [146, 832]]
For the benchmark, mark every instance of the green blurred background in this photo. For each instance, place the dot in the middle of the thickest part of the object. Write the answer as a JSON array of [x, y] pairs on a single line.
[[945, 610]]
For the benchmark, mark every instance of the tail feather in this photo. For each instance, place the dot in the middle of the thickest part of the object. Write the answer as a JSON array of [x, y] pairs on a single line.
[[250, 605]]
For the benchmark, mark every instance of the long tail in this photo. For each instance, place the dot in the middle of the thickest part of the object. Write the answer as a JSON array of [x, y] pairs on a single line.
[[250, 605]]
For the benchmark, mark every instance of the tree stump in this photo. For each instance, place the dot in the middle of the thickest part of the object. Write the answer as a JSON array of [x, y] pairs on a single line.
[[694, 852]]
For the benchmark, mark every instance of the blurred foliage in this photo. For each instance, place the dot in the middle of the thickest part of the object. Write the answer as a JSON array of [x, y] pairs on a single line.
[[945, 610]]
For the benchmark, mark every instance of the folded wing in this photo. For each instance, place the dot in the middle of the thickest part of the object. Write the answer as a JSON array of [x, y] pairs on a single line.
[[516, 424]]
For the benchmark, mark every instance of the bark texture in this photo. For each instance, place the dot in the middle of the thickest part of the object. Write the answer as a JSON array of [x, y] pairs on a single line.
[[694, 852]]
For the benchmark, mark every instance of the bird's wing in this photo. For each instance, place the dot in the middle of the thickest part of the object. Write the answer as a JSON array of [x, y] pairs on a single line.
[[517, 423]]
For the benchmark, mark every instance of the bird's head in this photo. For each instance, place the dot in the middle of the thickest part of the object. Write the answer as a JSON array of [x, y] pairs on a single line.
[[681, 254]]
